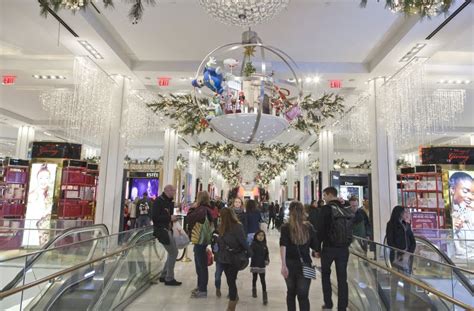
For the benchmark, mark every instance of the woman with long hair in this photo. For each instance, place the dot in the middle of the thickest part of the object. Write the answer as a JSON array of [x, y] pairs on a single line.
[[400, 236], [232, 241], [297, 237], [239, 210], [254, 218], [201, 232]]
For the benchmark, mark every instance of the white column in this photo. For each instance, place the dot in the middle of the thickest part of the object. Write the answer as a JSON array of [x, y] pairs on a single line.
[[326, 156], [272, 190], [290, 173], [471, 138], [170, 152], [206, 175], [384, 177], [26, 135], [112, 153], [192, 169], [302, 172], [277, 196]]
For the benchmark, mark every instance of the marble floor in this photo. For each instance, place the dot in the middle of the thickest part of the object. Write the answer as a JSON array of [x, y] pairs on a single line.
[[160, 297]]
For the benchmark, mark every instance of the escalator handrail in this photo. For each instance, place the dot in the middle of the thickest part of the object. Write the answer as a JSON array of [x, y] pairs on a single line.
[[466, 282], [69, 270], [414, 282], [44, 248]]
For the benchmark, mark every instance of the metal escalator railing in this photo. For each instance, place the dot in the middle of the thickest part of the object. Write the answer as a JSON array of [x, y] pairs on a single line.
[[71, 234], [446, 259], [110, 278]]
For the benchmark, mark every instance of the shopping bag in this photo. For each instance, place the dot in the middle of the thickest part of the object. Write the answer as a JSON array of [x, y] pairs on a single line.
[[180, 237]]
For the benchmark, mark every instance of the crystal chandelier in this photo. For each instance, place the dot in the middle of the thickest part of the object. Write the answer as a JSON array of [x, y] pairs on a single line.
[[248, 166], [84, 112], [243, 13], [354, 124], [246, 100], [413, 110]]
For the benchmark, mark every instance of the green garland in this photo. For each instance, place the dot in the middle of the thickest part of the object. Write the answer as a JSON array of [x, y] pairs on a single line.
[[414, 7], [135, 13], [181, 162]]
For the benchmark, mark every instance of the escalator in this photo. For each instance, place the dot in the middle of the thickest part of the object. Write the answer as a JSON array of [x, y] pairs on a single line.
[[118, 268]]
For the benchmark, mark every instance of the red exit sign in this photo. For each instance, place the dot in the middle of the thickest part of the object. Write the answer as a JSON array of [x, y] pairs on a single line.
[[164, 81], [8, 80], [335, 84]]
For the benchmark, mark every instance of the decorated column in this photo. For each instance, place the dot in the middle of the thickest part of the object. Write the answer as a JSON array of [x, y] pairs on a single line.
[[192, 169], [290, 175], [112, 154], [26, 135], [170, 152], [206, 175], [384, 177], [277, 190], [326, 156], [302, 172]]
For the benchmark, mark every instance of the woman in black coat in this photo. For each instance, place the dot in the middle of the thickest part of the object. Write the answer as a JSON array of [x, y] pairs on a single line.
[[400, 236]]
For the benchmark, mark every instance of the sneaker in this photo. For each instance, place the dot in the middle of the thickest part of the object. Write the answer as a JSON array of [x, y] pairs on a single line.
[[218, 292], [199, 294], [162, 280], [325, 308], [173, 283]]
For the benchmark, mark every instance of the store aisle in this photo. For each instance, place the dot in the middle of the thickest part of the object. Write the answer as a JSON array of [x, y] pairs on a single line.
[[160, 297]]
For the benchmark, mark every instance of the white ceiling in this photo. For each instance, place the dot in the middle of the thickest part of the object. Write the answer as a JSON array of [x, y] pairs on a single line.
[[332, 39]]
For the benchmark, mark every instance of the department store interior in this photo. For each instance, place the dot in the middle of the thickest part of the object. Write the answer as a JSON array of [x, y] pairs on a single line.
[[104, 102]]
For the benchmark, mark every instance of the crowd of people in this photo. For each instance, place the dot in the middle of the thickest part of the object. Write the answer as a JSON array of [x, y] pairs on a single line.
[[234, 237]]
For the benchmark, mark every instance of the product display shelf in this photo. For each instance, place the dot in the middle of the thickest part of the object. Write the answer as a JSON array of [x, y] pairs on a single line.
[[78, 190], [13, 187], [423, 192]]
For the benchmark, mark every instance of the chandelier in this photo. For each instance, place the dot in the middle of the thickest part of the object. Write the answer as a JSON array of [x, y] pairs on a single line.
[[243, 13], [248, 166], [244, 93]]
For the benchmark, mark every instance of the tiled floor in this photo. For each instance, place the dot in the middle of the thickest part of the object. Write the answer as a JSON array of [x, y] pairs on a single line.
[[160, 297]]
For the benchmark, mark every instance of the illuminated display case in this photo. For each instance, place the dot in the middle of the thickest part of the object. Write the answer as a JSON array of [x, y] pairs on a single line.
[[13, 187]]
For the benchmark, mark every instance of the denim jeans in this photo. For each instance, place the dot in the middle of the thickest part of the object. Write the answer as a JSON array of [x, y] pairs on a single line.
[[339, 255], [200, 261], [297, 286], [143, 221], [218, 275]]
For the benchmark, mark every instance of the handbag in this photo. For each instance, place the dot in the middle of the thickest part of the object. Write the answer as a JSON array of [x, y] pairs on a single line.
[[308, 270], [180, 237]]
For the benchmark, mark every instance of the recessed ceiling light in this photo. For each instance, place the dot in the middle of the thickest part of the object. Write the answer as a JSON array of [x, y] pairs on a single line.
[[413, 51], [316, 79], [90, 49], [49, 77], [308, 80], [47, 134]]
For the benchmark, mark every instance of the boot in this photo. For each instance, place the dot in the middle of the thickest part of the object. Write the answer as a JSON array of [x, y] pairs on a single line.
[[265, 298], [218, 292], [254, 292], [232, 304]]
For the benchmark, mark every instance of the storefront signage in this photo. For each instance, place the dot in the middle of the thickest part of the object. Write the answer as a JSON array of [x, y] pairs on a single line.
[[423, 220], [54, 150], [144, 175], [447, 155]]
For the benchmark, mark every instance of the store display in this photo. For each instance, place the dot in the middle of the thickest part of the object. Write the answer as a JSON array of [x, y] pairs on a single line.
[[139, 186], [13, 185]]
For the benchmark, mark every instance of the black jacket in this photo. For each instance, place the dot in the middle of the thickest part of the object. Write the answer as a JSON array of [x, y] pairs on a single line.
[[313, 215], [400, 237], [161, 212], [259, 254], [323, 224], [234, 239]]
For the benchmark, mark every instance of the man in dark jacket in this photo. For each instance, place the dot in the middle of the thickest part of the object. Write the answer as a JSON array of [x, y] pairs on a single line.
[[163, 219], [271, 215], [330, 253]]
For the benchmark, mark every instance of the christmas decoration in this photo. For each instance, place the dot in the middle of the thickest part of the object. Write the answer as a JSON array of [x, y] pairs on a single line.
[[367, 164], [420, 7], [340, 163], [181, 162]]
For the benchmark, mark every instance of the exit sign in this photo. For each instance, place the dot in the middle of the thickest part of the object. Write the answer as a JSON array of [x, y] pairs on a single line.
[[164, 81], [335, 84], [8, 80]]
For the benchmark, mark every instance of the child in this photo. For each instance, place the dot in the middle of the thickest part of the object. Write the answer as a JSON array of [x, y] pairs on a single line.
[[260, 259]]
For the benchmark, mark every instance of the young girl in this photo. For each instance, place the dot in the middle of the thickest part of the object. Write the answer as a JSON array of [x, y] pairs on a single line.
[[260, 259]]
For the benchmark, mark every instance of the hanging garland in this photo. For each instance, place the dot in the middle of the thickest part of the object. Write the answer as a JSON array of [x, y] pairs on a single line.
[[367, 164], [314, 167], [135, 13], [181, 162], [413, 7]]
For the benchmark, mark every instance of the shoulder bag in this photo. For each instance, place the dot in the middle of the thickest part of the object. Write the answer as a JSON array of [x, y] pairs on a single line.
[[308, 270]]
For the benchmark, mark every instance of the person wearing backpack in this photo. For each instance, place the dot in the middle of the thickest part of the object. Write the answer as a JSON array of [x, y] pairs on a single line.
[[233, 253], [200, 224], [143, 211], [334, 228]]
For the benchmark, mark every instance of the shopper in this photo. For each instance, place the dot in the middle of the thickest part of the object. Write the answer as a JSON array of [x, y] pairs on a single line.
[[254, 218], [163, 219], [143, 206], [313, 213], [218, 265], [132, 208], [232, 243], [126, 215], [271, 216], [297, 237], [200, 222], [361, 226], [334, 227], [238, 207], [400, 236], [260, 259]]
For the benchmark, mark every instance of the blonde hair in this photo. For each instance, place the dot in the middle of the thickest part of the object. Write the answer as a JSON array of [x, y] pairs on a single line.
[[298, 225], [203, 199]]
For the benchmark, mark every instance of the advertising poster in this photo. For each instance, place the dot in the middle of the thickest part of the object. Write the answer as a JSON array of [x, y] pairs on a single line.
[[39, 204], [461, 198], [189, 181], [307, 189], [138, 186], [423, 220], [346, 192]]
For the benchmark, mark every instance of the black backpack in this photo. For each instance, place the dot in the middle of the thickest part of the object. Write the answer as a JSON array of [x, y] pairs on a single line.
[[342, 221]]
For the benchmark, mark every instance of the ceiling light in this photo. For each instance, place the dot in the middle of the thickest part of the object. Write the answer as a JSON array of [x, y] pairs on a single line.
[[316, 79], [49, 77], [90, 49], [413, 51], [291, 80], [453, 81], [47, 134], [308, 80]]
